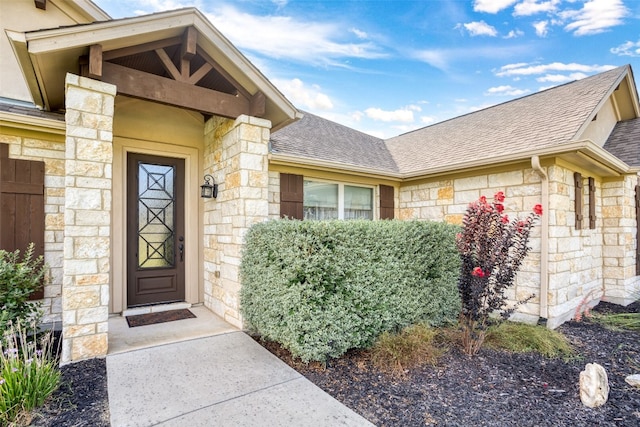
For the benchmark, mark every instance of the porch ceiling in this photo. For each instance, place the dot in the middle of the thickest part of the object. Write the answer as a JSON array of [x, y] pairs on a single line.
[[178, 53]]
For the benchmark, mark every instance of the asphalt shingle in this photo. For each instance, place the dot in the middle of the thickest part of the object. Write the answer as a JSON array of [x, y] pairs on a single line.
[[624, 142]]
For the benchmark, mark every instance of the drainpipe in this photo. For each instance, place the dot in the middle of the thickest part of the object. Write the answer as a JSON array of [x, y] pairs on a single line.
[[544, 240]]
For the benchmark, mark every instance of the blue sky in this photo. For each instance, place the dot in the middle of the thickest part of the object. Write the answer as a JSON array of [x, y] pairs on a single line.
[[386, 67]]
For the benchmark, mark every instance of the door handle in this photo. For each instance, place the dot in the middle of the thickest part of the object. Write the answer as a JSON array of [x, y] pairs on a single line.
[[181, 248]]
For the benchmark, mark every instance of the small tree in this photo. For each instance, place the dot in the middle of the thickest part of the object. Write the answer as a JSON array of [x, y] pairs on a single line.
[[491, 249]]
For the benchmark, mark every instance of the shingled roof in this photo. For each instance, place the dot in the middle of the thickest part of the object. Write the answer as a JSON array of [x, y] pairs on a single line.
[[313, 137], [545, 119], [624, 142], [541, 122]]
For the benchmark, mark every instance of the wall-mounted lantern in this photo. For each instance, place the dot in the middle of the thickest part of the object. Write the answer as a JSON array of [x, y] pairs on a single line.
[[209, 190]]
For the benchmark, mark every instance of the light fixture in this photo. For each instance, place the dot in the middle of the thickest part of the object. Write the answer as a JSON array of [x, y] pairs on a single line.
[[209, 190]]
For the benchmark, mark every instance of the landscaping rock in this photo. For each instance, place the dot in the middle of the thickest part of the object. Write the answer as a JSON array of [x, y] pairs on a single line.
[[633, 380], [594, 385]]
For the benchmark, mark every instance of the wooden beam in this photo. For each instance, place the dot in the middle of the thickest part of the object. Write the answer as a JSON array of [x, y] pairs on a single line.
[[141, 48], [245, 93], [168, 65], [189, 43], [41, 4], [181, 94], [202, 71], [95, 61], [258, 105]]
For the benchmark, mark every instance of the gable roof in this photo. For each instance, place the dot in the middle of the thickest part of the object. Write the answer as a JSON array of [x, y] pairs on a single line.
[[544, 121], [318, 139], [624, 142], [46, 56]]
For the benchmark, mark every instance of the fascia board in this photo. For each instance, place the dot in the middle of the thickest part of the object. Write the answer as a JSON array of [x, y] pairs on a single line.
[[287, 160], [40, 124], [586, 147], [20, 49]]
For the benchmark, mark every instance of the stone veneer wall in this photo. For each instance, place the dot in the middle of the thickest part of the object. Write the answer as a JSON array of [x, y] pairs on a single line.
[[274, 195], [235, 154], [575, 256], [53, 154], [87, 217], [447, 200], [621, 285]]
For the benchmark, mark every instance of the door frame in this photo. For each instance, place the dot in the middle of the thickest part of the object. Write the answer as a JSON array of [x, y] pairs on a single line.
[[192, 217]]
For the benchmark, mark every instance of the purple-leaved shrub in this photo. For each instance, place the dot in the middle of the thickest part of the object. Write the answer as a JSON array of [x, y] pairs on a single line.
[[491, 248]]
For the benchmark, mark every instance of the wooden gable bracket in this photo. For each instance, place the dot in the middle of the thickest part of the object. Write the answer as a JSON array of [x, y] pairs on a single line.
[[577, 180], [592, 203], [41, 4], [91, 65]]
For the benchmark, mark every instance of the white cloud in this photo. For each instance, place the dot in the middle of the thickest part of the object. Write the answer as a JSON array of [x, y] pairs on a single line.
[[561, 78], [306, 97], [524, 69], [479, 28], [404, 115], [532, 7], [491, 6], [426, 120], [359, 33], [627, 49], [514, 33], [542, 28], [506, 91], [314, 42], [596, 16], [436, 58]]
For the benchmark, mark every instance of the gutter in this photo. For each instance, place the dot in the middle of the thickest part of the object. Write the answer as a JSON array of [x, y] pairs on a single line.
[[544, 240]]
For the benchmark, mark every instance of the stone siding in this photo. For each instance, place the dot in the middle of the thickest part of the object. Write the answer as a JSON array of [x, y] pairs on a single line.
[[87, 217], [236, 156], [52, 152], [447, 200]]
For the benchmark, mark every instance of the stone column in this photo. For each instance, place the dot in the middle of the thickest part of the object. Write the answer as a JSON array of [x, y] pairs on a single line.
[[621, 285], [236, 156], [87, 217]]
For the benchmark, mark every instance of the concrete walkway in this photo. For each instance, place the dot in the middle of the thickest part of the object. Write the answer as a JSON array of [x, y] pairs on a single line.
[[221, 380]]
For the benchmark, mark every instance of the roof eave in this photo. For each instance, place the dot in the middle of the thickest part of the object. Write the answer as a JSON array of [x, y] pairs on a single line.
[[325, 165], [584, 149], [39, 124], [123, 32]]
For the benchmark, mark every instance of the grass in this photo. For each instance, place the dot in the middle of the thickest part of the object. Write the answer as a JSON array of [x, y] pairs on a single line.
[[414, 345], [624, 321], [523, 338], [421, 344]]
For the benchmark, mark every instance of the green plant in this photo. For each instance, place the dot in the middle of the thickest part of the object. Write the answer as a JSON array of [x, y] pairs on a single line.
[[522, 338], [628, 321], [320, 288], [492, 249], [414, 345], [19, 278], [28, 371]]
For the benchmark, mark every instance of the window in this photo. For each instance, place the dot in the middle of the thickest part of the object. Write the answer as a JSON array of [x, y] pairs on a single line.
[[325, 200]]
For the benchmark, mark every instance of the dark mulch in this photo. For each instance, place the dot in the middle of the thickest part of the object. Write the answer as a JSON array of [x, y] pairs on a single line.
[[494, 388], [80, 401]]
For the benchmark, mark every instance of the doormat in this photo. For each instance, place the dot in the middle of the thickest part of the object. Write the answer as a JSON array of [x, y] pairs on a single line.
[[159, 317]]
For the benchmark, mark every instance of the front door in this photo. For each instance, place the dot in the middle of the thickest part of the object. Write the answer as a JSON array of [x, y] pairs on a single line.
[[155, 230]]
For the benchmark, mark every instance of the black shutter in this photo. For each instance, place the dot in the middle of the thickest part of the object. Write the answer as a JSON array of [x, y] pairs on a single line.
[[386, 202], [291, 196]]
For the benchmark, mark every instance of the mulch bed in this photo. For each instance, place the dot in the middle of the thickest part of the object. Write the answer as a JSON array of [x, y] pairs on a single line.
[[494, 388]]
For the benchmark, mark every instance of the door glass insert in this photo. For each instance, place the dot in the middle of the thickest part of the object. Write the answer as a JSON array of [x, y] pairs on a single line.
[[156, 215]]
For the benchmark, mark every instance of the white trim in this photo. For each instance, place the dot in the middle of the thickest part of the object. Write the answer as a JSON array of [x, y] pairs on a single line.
[[192, 219], [23, 121]]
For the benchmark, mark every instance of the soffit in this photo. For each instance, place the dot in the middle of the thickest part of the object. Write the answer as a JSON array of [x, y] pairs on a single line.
[[59, 51]]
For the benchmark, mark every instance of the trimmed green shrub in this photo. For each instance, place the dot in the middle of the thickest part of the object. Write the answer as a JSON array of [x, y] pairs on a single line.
[[320, 288]]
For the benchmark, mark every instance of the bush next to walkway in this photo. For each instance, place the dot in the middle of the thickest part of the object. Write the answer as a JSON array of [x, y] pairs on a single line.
[[320, 288]]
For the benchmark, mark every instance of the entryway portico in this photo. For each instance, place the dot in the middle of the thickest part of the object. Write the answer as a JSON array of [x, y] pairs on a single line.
[[152, 104]]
